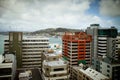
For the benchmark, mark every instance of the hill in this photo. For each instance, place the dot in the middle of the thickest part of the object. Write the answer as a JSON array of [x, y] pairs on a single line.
[[55, 30]]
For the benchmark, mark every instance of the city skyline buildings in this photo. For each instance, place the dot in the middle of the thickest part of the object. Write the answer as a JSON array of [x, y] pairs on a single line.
[[105, 66], [31, 15]]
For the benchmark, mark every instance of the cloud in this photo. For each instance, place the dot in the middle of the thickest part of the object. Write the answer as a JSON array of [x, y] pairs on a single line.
[[32, 15], [110, 7]]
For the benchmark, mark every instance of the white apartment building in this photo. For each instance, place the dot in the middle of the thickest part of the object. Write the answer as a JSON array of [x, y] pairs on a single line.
[[110, 70], [54, 68], [87, 74], [8, 67], [31, 49]]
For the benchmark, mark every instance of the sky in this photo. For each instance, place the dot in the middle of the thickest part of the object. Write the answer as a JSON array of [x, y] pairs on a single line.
[[32, 15]]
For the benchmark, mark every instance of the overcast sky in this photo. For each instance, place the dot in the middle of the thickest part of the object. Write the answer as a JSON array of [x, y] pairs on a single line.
[[31, 15]]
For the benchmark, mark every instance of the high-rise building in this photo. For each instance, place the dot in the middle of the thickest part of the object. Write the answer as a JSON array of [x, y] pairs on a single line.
[[54, 68], [87, 74], [110, 70], [14, 45], [106, 52], [76, 49], [103, 40], [27, 48], [32, 48]]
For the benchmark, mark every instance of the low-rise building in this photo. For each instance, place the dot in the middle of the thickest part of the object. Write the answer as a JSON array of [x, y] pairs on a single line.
[[110, 70], [8, 67], [87, 74], [54, 68]]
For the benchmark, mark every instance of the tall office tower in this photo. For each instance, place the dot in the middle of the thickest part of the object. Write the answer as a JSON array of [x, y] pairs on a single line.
[[106, 44], [54, 68], [27, 48], [93, 31], [103, 40], [76, 49], [32, 48], [112, 70], [14, 44]]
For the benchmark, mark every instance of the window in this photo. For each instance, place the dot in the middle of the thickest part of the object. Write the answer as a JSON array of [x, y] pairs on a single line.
[[108, 66], [59, 69], [108, 75], [47, 69], [108, 70]]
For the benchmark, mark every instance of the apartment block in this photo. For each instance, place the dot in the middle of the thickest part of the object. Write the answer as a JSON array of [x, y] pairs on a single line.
[[110, 70], [77, 48], [103, 40], [54, 68], [28, 49], [88, 74], [8, 67]]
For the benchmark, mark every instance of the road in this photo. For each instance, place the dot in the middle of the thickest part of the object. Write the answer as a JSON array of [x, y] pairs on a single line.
[[36, 75]]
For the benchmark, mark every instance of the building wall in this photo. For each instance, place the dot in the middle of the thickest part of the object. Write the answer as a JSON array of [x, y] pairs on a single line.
[[15, 42], [76, 49], [118, 48], [87, 74], [32, 49], [28, 49], [54, 68], [93, 31], [106, 69], [102, 40], [8, 67], [1, 44], [110, 70]]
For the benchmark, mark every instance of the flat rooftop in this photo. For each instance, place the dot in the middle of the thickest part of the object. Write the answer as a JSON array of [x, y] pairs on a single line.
[[36, 74], [55, 63], [93, 74]]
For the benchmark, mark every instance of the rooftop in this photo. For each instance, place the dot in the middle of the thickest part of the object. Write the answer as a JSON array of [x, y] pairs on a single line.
[[93, 74], [55, 63], [6, 65]]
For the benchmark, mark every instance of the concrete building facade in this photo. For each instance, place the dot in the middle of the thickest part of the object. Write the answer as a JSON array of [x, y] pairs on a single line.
[[76, 49], [54, 68], [87, 74], [27, 48], [110, 70], [103, 40], [1, 44], [8, 67], [107, 50]]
